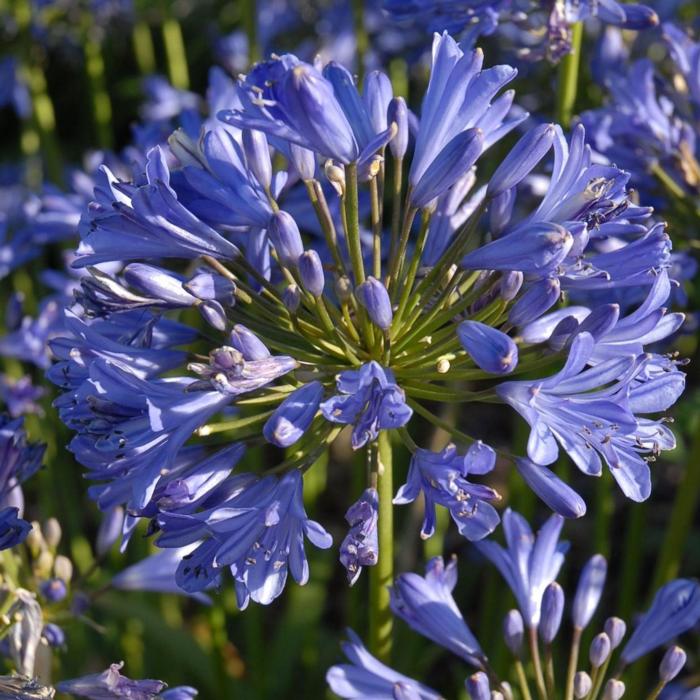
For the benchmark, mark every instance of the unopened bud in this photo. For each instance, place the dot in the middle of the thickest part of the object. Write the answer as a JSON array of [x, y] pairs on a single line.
[[311, 273], [372, 294], [398, 113], [582, 685], [52, 532], [63, 568], [513, 631], [285, 237], [672, 664], [343, 288], [35, 540], [44, 564], [291, 298], [552, 609], [614, 690], [257, 154], [615, 628], [600, 650], [478, 686]]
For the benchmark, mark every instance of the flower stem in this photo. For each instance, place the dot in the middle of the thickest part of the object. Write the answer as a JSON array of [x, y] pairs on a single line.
[[573, 662], [537, 662], [175, 53], [101, 104], [522, 680], [567, 84], [381, 575]]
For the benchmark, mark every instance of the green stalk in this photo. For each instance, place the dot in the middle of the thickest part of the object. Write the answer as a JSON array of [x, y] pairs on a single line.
[[250, 23], [537, 662], [522, 680], [175, 53], [573, 662], [101, 104], [361, 38], [143, 48], [567, 83], [681, 520], [382, 574], [352, 233]]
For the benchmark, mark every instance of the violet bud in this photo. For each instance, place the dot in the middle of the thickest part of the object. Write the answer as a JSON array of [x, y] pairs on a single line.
[[361, 546], [589, 591], [311, 273], [478, 686], [449, 165], [614, 690], [514, 631], [557, 494], [285, 236], [53, 635], [376, 94], [540, 297], [600, 650], [615, 628], [213, 313], [54, 590], [291, 298], [294, 415], [208, 286], [552, 610], [500, 212], [303, 160], [491, 349], [373, 296], [672, 664], [582, 685], [257, 154], [158, 284], [522, 159], [398, 113], [248, 344], [510, 285]]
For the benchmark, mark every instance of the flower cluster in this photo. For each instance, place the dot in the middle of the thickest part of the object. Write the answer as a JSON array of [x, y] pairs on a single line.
[[529, 564], [311, 324]]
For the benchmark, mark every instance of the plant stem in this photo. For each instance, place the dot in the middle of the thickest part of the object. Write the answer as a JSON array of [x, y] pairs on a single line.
[[381, 575], [101, 104], [536, 662], [352, 233], [573, 662], [522, 680], [361, 38], [175, 53], [143, 47], [567, 84]]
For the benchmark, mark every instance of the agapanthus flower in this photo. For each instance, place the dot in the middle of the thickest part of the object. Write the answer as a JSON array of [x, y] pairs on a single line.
[[531, 561], [360, 547], [365, 676], [112, 684]]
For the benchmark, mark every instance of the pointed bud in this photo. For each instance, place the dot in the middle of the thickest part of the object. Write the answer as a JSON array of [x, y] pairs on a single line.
[[213, 313], [257, 154], [449, 165], [552, 610], [600, 650], [63, 568], [514, 631], [538, 299], [614, 690], [672, 664], [616, 629], [285, 236], [303, 160], [589, 590], [52, 532], [491, 349], [510, 285], [376, 94], [294, 415], [208, 286], [158, 284], [311, 273], [522, 159], [582, 685], [291, 298], [373, 296], [536, 248], [557, 494], [478, 686], [248, 344], [398, 113], [639, 17]]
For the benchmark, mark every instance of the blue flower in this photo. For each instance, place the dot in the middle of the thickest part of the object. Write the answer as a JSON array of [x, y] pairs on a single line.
[[366, 677], [257, 530], [427, 605], [360, 546], [589, 421], [442, 477], [128, 222], [674, 610], [13, 529], [369, 400], [460, 96], [530, 562], [20, 396], [294, 415], [491, 349], [111, 684]]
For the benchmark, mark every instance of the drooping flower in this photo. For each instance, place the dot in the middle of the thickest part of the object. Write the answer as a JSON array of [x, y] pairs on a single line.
[[442, 477], [365, 677], [256, 528], [427, 605], [112, 684], [370, 400], [360, 546]]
